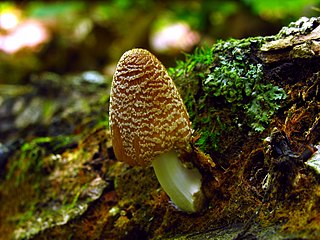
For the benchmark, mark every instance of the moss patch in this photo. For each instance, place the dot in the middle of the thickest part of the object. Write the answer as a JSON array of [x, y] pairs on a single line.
[[224, 89]]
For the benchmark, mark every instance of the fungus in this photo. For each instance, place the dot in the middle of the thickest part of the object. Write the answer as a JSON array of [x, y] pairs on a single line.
[[150, 124]]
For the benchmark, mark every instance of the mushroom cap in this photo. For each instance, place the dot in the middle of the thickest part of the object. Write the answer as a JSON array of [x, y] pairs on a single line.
[[147, 115]]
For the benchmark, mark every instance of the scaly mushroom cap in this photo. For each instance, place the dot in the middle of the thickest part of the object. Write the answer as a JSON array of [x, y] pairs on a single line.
[[147, 114]]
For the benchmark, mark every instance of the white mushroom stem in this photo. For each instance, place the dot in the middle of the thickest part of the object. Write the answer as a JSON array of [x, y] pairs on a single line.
[[182, 185]]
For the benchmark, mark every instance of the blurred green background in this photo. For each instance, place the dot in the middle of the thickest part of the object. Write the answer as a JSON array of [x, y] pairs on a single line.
[[76, 36]]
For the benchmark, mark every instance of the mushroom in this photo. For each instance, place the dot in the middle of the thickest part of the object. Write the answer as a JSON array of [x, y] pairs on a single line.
[[150, 124]]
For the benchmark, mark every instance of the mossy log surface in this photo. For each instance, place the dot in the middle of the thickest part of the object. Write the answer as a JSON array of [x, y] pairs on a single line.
[[254, 105]]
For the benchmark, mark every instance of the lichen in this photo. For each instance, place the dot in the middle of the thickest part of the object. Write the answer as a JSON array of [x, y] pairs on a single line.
[[299, 39], [302, 26], [224, 88], [238, 79]]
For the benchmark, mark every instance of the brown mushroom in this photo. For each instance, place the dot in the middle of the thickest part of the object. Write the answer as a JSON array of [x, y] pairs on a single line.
[[150, 125]]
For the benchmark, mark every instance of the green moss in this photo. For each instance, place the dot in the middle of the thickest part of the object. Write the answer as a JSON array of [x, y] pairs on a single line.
[[32, 153], [224, 90], [59, 181], [201, 56], [188, 75]]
